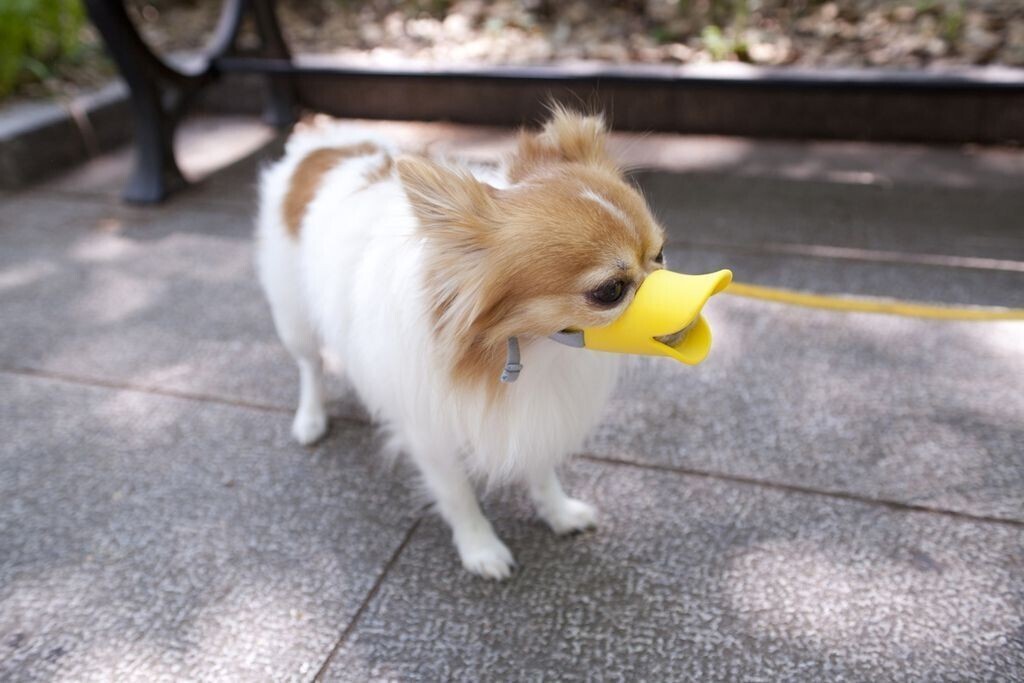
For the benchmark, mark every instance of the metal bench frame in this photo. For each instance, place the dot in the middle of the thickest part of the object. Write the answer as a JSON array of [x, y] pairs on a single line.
[[160, 93]]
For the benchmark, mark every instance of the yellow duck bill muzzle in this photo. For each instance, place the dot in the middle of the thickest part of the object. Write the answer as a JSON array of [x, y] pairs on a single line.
[[664, 319]]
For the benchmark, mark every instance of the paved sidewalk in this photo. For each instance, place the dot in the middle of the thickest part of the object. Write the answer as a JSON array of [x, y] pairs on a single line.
[[829, 496]]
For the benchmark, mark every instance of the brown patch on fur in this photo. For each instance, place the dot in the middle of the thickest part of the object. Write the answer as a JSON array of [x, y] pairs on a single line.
[[309, 174], [380, 173], [521, 261]]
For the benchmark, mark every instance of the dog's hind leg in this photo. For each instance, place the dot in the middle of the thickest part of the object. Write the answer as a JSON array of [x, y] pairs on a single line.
[[299, 337], [310, 423], [280, 278]]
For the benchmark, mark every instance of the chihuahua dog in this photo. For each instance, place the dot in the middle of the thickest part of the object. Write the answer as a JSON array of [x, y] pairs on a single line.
[[430, 281]]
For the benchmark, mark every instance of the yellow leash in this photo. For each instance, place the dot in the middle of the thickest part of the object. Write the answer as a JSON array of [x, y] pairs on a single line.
[[887, 306]]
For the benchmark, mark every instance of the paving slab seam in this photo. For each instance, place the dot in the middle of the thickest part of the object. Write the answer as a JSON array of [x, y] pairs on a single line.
[[832, 252], [370, 595], [685, 471], [143, 389], [794, 488]]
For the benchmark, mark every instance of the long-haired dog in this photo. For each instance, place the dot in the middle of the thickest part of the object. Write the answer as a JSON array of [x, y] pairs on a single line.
[[416, 272]]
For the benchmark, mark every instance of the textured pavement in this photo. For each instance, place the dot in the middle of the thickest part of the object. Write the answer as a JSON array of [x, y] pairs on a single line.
[[829, 496]]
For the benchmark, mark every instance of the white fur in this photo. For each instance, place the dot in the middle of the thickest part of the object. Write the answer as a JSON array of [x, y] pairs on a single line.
[[353, 283], [615, 211]]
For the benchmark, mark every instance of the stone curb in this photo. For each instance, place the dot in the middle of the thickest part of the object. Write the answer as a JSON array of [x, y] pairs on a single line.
[[39, 139]]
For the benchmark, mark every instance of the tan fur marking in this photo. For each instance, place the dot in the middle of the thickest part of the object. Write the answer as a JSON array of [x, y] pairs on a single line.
[[380, 173], [309, 174]]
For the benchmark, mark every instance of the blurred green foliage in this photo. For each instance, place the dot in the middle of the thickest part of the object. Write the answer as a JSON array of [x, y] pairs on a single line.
[[34, 36], [723, 46]]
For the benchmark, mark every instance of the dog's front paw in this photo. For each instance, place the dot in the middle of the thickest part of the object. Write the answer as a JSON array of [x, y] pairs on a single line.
[[309, 426], [486, 556], [571, 517]]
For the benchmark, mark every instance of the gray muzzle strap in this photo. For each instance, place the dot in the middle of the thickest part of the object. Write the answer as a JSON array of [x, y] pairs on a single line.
[[513, 364], [571, 338]]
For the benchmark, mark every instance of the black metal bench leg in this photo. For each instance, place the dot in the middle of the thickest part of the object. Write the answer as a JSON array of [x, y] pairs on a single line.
[[160, 93], [156, 172], [158, 96], [280, 107]]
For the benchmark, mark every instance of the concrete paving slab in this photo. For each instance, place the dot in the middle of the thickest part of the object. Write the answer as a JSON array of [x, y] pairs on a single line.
[[717, 209], [946, 286], [165, 297], [203, 147], [918, 411], [150, 538], [843, 162], [697, 579], [145, 536]]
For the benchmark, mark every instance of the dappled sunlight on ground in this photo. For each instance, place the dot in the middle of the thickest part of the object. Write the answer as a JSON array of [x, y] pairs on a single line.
[[25, 274], [1005, 339], [832, 599], [829, 495]]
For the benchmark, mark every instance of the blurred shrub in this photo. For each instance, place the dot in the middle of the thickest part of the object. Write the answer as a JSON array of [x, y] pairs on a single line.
[[34, 36]]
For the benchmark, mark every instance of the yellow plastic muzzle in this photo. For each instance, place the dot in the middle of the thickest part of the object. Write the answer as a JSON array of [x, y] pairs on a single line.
[[665, 305]]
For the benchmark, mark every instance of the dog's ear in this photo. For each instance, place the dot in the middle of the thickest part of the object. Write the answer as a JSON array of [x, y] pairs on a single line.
[[457, 216], [444, 199], [568, 136], [577, 137]]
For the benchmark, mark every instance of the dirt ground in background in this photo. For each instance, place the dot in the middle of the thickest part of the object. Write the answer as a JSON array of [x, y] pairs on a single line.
[[806, 33], [842, 33]]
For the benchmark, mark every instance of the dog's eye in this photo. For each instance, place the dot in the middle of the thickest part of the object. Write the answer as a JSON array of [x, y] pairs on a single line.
[[609, 293], [660, 258]]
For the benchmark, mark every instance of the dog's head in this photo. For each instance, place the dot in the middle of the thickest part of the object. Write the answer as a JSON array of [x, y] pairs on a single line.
[[564, 246]]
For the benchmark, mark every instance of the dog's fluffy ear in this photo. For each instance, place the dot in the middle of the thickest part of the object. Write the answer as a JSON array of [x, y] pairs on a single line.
[[568, 136], [457, 216], [577, 137], [446, 199]]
